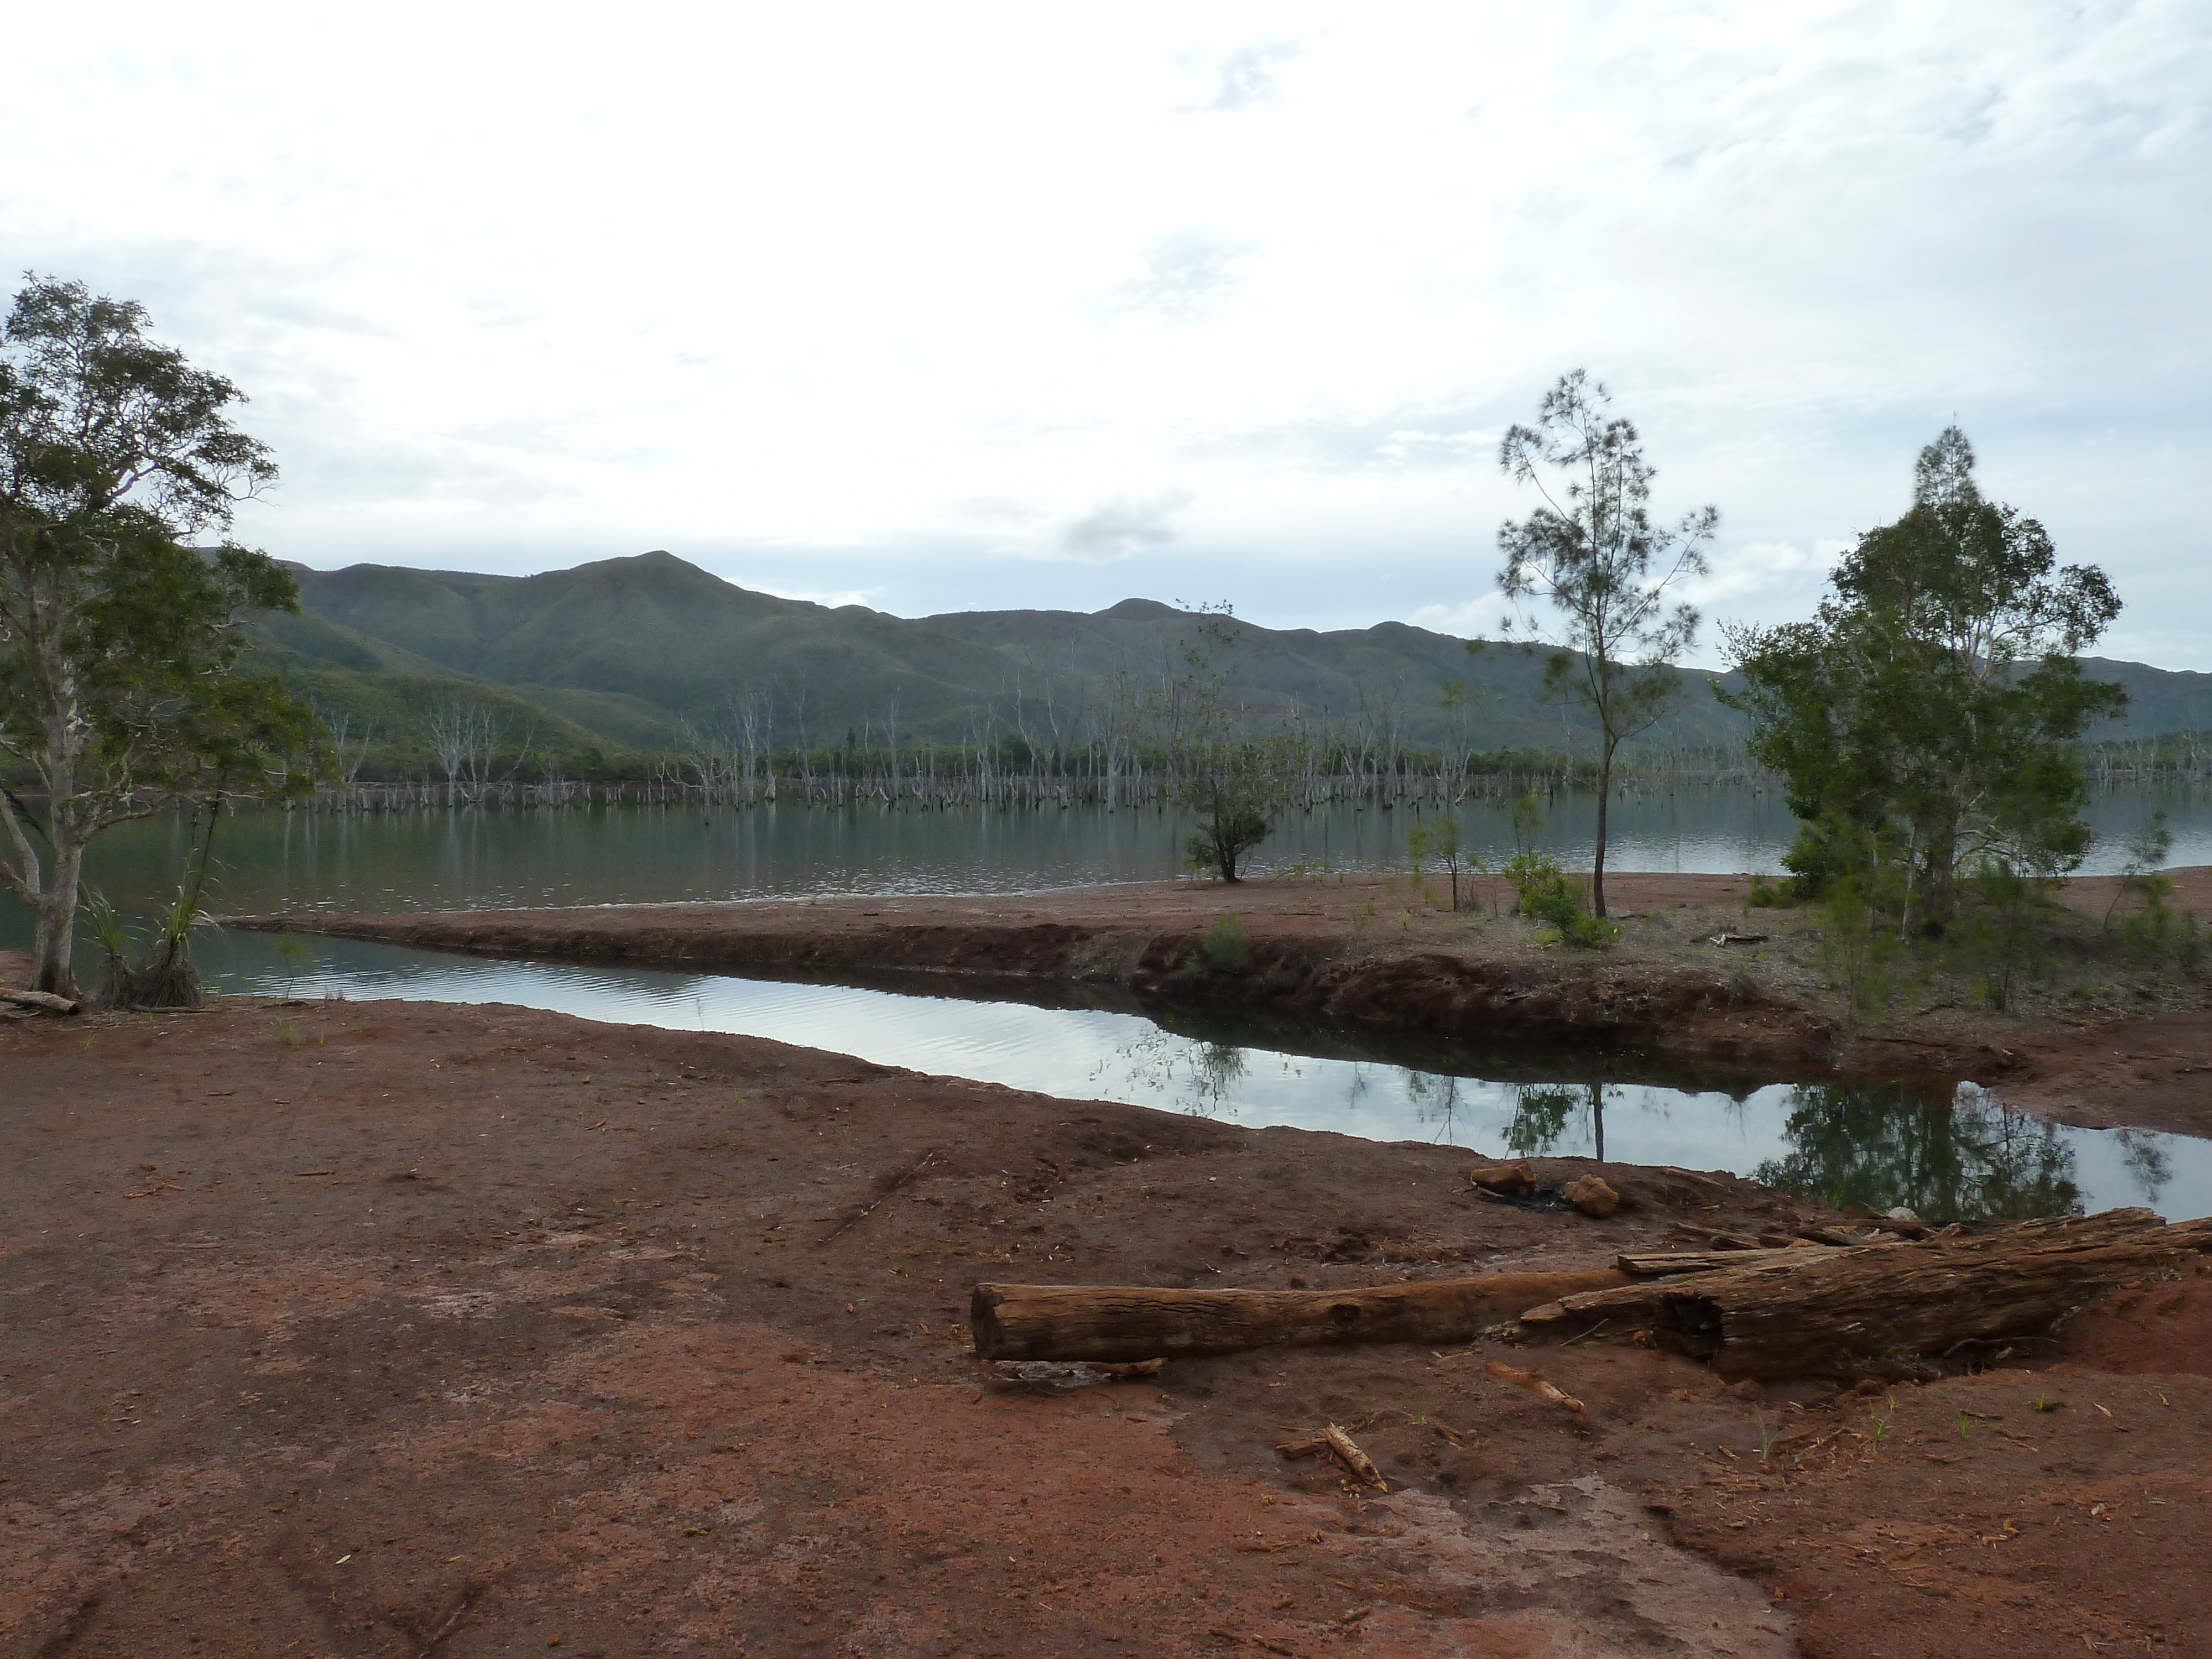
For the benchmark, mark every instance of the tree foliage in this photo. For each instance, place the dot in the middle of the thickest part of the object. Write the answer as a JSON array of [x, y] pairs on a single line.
[[1233, 783], [1594, 550], [119, 638], [1924, 719]]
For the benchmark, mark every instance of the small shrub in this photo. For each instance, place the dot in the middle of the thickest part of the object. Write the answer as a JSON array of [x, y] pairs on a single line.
[[1226, 948], [1544, 893], [1766, 896]]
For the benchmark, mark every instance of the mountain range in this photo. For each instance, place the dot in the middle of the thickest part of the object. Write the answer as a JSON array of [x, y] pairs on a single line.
[[627, 653]]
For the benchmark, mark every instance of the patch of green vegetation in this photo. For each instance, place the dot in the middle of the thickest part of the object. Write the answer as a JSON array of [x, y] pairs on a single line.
[[1226, 947], [1545, 893]]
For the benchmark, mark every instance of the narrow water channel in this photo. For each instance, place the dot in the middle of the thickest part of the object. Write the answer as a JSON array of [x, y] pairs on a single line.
[[1947, 1158]]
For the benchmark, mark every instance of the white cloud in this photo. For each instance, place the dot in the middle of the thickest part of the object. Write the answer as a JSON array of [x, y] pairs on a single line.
[[1470, 619], [825, 279], [1189, 275], [1123, 525], [1246, 77]]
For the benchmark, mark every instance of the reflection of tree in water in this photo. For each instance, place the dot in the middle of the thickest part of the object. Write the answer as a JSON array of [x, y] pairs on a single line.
[[1541, 1112], [1435, 1099], [1201, 1074], [2145, 1154], [1945, 1160]]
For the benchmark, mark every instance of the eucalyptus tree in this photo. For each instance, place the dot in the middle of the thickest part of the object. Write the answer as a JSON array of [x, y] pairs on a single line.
[[120, 692], [1609, 571], [1926, 719]]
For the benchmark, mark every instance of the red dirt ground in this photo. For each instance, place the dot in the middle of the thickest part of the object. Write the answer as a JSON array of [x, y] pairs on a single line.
[[355, 1329]]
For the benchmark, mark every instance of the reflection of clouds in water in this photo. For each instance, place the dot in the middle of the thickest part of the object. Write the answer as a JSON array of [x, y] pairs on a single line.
[[1946, 1158]]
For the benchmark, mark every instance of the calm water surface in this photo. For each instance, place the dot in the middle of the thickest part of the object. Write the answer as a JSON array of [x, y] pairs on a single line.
[[1948, 1158], [474, 859]]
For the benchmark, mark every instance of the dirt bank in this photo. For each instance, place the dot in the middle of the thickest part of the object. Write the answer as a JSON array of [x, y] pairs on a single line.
[[400, 1329], [1382, 953]]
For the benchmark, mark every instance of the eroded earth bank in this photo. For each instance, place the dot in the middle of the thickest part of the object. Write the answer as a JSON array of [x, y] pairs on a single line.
[[355, 1329], [2091, 1037]]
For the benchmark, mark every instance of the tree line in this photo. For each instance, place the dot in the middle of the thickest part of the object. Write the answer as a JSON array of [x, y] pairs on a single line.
[[1926, 720]]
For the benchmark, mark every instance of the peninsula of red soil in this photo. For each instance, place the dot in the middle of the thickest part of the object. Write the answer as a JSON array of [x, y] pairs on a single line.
[[367, 1330], [2091, 1045]]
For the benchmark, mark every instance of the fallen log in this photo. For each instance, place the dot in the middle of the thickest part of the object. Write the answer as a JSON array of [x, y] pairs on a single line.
[[1846, 1311], [44, 1001], [1135, 1322]]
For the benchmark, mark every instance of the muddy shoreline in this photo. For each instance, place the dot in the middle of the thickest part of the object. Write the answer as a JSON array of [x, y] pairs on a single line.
[[1383, 954], [370, 1328]]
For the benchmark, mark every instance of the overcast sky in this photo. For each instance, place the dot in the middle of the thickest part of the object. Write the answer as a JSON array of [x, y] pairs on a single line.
[[962, 305]]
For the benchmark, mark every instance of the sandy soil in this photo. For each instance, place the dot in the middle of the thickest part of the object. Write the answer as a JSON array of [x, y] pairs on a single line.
[[404, 1329], [2089, 1042]]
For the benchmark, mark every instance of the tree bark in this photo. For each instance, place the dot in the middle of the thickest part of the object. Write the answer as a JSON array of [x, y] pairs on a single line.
[[1854, 1312], [1604, 801], [1135, 1322]]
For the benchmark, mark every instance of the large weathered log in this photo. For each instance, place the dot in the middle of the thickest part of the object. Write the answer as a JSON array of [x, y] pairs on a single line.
[[1843, 1312], [44, 1001], [1134, 1322]]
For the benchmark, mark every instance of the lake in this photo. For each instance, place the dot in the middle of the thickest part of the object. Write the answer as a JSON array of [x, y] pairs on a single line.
[[1945, 1156], [477, 858]]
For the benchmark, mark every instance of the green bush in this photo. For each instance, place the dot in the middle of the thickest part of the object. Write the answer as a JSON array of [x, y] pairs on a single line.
[[1226, 948], [1766, 896], [1545, 893]]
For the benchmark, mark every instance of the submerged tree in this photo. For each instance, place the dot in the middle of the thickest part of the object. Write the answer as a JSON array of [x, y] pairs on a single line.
[[120, 641], [1593, 549], [1926, 719]]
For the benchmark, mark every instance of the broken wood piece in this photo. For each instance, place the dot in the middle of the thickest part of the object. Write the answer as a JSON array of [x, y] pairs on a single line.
[[1063, 1376], [1662, 1263], [1534, 1383], [1348, 1452], [1138, 1322], [1850, 1312], [1834, 1236], [44, 1002]]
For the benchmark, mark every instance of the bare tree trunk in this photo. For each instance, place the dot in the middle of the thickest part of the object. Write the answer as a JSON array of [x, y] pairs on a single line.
[[1604, 802], [53, 917]]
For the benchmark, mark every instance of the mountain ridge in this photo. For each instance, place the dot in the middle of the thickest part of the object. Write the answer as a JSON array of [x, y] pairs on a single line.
[[631, 650]]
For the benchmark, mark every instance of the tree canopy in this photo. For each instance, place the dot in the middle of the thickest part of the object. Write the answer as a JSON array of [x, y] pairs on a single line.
[[1595, 551], [119, 624], [1924, 719]]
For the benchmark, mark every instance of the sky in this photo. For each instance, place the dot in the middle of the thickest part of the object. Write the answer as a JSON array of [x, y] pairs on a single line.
[[980, 306]]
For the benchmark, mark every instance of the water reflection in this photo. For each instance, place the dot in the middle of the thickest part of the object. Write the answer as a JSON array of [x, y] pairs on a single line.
[[2148, 1159], [1199, 1078], [1950, 1160], [1541, 1113]]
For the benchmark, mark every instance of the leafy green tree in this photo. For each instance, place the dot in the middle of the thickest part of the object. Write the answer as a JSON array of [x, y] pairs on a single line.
[[119, 641], [1231, 780], [1593, 549], [1926, 716]]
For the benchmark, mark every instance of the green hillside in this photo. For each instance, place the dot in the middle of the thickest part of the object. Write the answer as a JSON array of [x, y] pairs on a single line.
[[619, 655]]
